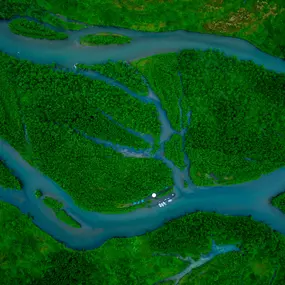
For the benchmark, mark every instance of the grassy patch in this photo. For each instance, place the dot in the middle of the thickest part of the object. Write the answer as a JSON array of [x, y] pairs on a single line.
[[38, 193], [260, 22], [55, 105]]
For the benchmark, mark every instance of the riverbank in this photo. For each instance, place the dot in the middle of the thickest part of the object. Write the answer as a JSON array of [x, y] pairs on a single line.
[[149, 257], [260, 22]]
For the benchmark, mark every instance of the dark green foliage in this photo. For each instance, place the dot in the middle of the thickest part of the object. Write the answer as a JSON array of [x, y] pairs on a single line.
[[174, 150], [162, 74], [71, 268], [56, 103], [104, 39], [261, 23], [29, 256], [10, 8], [60, 213], [279, 202], [122, 72], [233, 268], [32, 29], [38, 193], [7, 179], [238, 113], [200, 228]]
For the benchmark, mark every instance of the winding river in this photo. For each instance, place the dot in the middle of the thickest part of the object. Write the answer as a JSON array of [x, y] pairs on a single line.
[[251, 198]]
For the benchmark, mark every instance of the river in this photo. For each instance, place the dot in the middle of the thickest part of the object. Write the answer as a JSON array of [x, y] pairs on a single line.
[[251, 198]]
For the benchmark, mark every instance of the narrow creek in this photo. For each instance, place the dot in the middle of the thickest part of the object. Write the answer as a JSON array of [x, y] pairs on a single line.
[[250, 198]]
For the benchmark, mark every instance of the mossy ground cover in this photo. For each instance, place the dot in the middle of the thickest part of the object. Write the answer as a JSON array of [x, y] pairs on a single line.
[[259, 22], [35, 30], [122, 72], [55, 105], [60, 213], [30, 256], [104, 39]]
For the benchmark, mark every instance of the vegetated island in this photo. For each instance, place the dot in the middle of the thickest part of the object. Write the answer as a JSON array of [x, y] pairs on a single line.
[[59, 212], [279, 202], [230, 99], [30, 256], [35, 30], [104, 39]]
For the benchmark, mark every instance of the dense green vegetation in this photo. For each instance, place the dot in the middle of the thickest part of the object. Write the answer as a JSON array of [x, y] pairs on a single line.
[[60, 213], [104, 39], [32, 29], [240, 102], [38, 193], [55, 104], [235, 100], [174, 150], [279, 202], [260, 247], [122, 72], [260, 22], [12, 127], [7, 179], [30, 256], [162, 74], [233, 268]]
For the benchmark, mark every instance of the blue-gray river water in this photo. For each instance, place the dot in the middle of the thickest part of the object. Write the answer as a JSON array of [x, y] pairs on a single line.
[[251, 198]]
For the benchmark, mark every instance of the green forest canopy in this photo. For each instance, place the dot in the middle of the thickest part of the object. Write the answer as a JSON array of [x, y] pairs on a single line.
[[243, 104]]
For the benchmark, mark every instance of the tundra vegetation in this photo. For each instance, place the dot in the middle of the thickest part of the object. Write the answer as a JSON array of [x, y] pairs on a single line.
[[35, 30], [259, 22], [30, 256], [104, 39]]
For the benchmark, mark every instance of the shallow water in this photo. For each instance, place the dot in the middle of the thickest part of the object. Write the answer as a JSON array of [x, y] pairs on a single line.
[[251, 198]]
